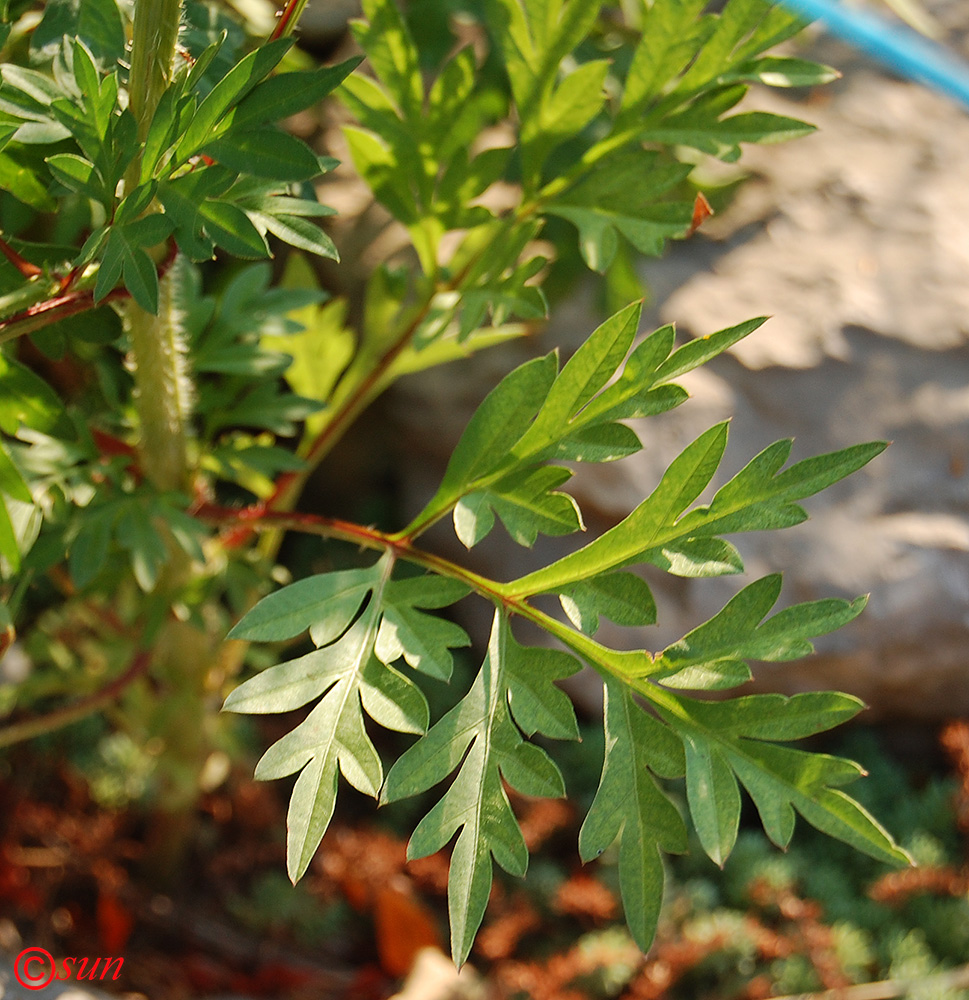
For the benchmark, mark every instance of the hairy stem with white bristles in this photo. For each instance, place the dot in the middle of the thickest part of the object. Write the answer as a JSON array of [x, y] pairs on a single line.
[[163, 388]]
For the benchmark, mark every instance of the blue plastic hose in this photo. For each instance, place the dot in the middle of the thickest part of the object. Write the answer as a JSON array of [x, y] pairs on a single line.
[[897, 47]]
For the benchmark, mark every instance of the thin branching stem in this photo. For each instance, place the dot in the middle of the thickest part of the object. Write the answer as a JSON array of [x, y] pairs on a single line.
[[259, 519], [27, 269], [27, 729], [51, 311], [403, 548], [288, 19], [69, 301], [290, 485]]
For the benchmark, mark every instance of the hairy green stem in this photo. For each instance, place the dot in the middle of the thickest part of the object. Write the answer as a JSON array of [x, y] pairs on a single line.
[[184, 653], [163, 390], [153, 42]]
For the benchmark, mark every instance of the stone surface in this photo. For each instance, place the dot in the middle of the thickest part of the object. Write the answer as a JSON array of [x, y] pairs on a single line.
[[856, 239], [434, 977]]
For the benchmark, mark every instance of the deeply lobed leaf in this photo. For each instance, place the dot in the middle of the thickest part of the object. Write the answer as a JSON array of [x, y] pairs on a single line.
[[482, 738], [361, 622]]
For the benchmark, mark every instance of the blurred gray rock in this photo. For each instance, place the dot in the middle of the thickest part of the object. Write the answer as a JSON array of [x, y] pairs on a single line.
[[324, 21], [856, 239]]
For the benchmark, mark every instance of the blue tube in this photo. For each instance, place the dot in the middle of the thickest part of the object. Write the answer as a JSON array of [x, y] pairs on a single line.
[[900, 49]]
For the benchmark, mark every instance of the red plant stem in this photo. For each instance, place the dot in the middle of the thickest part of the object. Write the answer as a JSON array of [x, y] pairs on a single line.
[[327, 437], [29, 728], [68, 280], [284, 19], [111, 446], [27, 269], [53, 310], [258, 518], [107, 616]]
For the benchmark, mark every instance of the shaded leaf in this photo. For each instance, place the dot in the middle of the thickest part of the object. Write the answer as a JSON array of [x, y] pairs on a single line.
[[630, 805], [265, 152]]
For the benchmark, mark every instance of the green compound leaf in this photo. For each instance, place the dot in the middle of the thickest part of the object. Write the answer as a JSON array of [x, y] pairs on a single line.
[[499, 469], [424, 641], [537, 413], [672, 34], [759, 497], [497, 423], [97, 22], [714, 798], [702, 127], [12, 482], [361, 622], [563, 112], [13, 488], [534, 37], [385, 38], [23, 183], [265, 152], [622, 198], [584, 375], [77, 174], [26, 400], [537, 705], [682, 483], [712, 656], [479, 738], [744, 29], [288, 93], [783, 71], [696, 557], [727, 741], [137, 533], [9, 547], [140, 277], [326, 603], [297, 232], [231, 228]]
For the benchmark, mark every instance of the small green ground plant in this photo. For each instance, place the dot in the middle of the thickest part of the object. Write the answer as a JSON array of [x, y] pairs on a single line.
[[160, 423]]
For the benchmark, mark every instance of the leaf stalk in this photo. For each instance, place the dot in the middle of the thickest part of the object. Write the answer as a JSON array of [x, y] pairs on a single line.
[[288, 19]]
